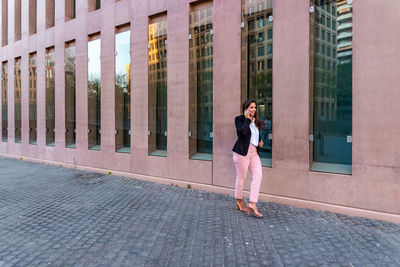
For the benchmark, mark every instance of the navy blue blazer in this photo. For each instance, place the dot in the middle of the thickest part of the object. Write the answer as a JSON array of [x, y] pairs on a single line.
[[244, 134]]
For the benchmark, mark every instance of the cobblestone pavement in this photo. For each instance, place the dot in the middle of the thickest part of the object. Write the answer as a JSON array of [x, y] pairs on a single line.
[[55, 216]]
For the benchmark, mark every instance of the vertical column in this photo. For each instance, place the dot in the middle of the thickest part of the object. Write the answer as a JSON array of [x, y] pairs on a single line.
[[107, 79], [139, 98], [41, 78], [81, 82], [178, 80], [291, 84], [227, 32]]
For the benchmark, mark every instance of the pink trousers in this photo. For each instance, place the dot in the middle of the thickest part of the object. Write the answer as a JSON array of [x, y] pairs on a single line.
[[243, 163]]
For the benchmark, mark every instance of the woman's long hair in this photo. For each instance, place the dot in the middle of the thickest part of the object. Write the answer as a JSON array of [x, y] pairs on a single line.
[[246, 104]]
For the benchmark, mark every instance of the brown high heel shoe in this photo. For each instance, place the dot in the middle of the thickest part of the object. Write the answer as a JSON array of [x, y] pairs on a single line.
[[240, 205], [252, 207]]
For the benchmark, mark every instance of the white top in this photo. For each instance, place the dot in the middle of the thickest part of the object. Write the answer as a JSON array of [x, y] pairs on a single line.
[[254, 134]]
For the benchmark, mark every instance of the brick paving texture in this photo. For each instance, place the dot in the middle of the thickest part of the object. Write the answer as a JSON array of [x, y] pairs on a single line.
[[54, 216]]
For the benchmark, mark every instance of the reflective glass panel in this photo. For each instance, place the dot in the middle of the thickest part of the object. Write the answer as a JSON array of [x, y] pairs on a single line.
[[94, 94], [201, 81], [32, 99], [50, 97], [122, 92], [256, 70], [70, 95], [4, 102], [17, 99], [157, 55], [332, 109]]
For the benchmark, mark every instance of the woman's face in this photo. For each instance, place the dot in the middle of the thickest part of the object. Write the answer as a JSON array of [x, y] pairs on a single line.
[[252, 109]]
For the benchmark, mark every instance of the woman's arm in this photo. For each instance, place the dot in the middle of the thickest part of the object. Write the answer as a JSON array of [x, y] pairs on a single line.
[[242, 125]]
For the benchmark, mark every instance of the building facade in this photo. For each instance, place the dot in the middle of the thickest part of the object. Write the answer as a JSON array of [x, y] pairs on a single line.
[[150, 88]]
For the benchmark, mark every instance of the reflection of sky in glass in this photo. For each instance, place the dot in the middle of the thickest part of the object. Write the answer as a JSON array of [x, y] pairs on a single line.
[[94, 67], [122, 45]]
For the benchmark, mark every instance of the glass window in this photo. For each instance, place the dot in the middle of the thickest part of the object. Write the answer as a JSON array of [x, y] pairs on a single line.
[[4, 102], [70, 95], [50, 97], [332, 113], [269, 49], [122, 90], [4, 22], [269, 34], [257, 73], [94, 5], [17, 20], [17, 99], [201, 87], [251, 24], [70, 9], [50, 13], [269, 63], [261, 51], [94, 92], [260, 22], [261, 37], [32, 16], [328, 22], [32, 99], [158, 86]]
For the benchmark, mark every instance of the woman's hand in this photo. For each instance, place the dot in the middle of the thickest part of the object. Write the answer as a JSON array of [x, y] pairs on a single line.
[[260, 144], [247, 114]]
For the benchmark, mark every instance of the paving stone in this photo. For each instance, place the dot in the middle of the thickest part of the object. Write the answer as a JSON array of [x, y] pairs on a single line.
[[67, 217]]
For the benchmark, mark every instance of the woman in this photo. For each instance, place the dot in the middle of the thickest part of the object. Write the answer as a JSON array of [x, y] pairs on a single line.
[[245, 156]]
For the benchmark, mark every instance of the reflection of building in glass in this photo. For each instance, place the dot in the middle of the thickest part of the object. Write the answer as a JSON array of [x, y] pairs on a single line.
[[325, 62], [345, 31], [157, 60], [70, 95], [257, 63], [32, 99], [50, 97], [201, 79], [128, 70], [94, 92], [4, 101], [122, 90], [332, 39], [17, 99]]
